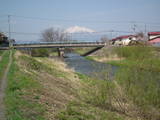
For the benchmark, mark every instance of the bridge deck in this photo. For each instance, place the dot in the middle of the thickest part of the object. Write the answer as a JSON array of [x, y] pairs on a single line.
[[59, 45]]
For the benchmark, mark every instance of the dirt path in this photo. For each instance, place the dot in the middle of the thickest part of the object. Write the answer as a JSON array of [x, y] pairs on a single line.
[[3, 87]]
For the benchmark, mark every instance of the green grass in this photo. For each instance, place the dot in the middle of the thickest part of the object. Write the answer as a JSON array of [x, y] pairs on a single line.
[[93, 102], [134, 52], [139, 76], [81, 111], [142, 88], [89, 58], [145, 64], [4, 62], [82, 50], [33, 64], [138, 56], [1, 52], [95, 98], [95, 91], [40, 52], [21, 104]]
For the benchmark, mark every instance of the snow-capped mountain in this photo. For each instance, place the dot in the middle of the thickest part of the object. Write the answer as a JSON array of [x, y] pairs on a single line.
[[78, 29]]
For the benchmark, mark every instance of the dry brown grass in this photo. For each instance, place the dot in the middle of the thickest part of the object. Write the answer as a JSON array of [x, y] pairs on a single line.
[[56, 91], [106, 54]]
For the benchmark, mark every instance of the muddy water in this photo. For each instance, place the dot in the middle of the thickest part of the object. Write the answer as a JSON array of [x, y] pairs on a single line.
[[90, 68]]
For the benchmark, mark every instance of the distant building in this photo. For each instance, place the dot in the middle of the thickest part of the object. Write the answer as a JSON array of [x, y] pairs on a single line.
[[123, 40], [3, 40], [3, 37], [154, 37]]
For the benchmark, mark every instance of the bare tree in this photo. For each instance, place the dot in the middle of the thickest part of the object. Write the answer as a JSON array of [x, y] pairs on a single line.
[[104, 39], [54, 35], [141, 36]]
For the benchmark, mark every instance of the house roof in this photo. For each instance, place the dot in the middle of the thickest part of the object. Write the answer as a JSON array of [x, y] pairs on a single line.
[[123, 37], [156, 40], [154, 33]]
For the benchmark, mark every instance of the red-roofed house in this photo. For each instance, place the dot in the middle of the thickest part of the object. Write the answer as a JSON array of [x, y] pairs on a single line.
[[124, 40], [154, 37]]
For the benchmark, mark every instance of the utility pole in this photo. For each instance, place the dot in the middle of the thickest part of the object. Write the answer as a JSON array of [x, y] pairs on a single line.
[[111, 33], [145, 28], [134, 28], [9, 29]]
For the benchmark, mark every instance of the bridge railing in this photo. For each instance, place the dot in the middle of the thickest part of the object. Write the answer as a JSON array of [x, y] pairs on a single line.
[[50, 43]]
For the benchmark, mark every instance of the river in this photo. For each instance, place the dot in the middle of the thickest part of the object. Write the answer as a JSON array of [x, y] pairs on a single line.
[[88, 67]]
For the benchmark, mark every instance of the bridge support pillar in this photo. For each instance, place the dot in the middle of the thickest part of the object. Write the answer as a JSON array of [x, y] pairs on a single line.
[[61, 52], [91, 51]]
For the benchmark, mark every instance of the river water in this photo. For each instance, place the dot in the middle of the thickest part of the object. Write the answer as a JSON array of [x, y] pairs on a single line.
[[88, 67]]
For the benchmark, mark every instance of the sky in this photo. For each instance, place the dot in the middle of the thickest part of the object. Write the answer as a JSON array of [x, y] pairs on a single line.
[[31, 17]]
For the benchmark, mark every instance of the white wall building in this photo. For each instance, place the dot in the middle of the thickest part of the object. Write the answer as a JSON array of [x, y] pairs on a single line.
[[124, 40]]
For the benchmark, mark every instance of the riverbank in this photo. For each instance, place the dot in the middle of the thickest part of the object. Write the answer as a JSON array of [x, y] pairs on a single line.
[[4, 58], [5, 62], [138, 75], [40, 88], [46, 89], [105, 54]]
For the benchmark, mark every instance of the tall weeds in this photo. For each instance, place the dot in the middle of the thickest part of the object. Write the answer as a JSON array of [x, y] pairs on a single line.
[[140, 79]]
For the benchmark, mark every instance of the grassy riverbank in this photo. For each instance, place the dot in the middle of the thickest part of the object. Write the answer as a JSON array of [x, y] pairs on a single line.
[[45, 89], [3, 62], [81, 51], [104, 55], [139, 78], [1, 52], [41, 88], [37, 88]]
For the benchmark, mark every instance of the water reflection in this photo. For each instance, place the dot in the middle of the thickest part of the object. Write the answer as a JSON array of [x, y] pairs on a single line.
[[88, 67]]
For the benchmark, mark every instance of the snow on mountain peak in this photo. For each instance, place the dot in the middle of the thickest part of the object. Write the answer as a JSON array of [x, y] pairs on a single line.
[[78, 29]]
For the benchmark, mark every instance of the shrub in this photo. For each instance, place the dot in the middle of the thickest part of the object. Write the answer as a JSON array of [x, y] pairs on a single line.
[[134, 52], [41, 52]]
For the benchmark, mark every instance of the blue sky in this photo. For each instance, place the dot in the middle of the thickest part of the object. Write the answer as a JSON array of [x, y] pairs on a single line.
[[98, 15]]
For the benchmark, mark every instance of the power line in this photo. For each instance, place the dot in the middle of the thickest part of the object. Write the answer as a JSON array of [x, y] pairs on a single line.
[[24, 33], [99, 32], [85, 21]]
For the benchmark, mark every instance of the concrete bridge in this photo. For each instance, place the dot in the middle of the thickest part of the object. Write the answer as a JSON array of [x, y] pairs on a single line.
[[60, 46]]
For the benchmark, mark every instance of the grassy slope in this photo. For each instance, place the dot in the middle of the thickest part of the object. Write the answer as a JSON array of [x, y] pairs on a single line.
[[139, 76], [140, 79], [42, 88], [105, 54], [4, 62], [29, 93], [82, 50], [93, 103], [20, 102], [1, 52]]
